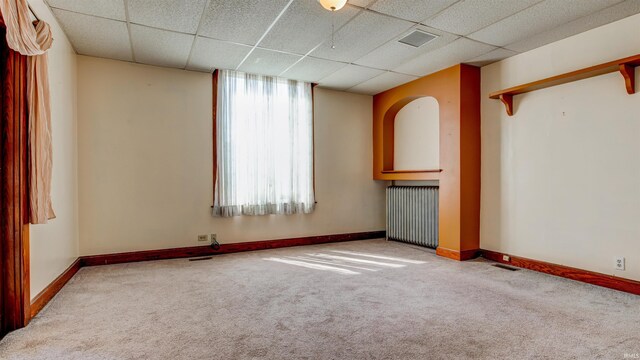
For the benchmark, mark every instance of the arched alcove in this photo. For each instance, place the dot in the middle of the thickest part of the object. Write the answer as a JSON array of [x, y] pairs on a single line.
[[457, 91], [416, 135]]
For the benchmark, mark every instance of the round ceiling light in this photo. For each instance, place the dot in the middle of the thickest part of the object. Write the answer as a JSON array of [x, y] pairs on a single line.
[[332, 5]]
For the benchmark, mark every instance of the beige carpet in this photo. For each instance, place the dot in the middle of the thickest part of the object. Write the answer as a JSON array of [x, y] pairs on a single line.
[[357, 300]]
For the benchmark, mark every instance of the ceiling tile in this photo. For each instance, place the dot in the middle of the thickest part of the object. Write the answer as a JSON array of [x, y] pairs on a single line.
[[361, 3], [304, 25], [241, 21], [414, 10], [467, 16], [214, 54], [381, 83], [491, 57], [349, 76], [96, 36], [112, 9], [182, 16], [311, 69], [457, 52], [608, 15], [267, 62], [362, 35], [394, 53], [538, 18], [160, 47]]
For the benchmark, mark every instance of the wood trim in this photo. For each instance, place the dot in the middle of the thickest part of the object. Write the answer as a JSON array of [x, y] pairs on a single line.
[[410, 171], [185, 252], [52, 289], [14, 202], [589, 277], [625, 66], [45, 296], [457, 255]]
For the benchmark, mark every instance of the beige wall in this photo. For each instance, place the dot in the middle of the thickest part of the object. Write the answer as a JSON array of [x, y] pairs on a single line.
[[561, 178], [54, 246], [145, 163], [416, 132]]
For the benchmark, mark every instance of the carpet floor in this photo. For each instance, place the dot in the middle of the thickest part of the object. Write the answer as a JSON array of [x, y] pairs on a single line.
[[368, 299]]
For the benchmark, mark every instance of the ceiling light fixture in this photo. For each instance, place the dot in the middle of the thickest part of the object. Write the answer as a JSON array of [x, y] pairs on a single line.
[[332, 5]]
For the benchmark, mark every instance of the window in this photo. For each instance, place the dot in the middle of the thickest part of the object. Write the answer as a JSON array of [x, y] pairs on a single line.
[[264, 145]]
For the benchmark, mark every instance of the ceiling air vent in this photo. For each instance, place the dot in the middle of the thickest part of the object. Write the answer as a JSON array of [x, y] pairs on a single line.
[[417, 38]]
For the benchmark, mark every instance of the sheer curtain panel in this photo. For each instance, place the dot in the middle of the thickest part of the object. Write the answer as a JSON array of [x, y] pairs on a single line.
[[264, 145]]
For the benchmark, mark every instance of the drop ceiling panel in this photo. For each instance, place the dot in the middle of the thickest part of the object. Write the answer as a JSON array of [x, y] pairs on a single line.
[[96, 36], [311, 69], [413, 10], [360, 36], [181, 16], [381, 83], [538, 18], [457, 52], [305, 25], [210, 54], [467, 16], [349, 76], [240, 21], [491, 57], [267, 62], [610, 14], [361, 3], [160, 47], [393, 53], [112, 9]]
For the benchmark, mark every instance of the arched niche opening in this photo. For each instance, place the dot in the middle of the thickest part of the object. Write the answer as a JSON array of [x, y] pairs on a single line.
[[416, 135]]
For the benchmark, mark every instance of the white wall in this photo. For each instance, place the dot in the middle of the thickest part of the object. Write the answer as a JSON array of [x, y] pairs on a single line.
[[561, 178], [145, 163], [54, 246], [416, 144]]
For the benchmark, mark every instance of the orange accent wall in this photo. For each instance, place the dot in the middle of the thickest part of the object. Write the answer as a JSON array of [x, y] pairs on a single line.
[[457, 90]]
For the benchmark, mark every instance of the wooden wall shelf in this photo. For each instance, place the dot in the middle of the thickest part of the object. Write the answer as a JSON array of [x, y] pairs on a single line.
[[410, 171], [625, 66]]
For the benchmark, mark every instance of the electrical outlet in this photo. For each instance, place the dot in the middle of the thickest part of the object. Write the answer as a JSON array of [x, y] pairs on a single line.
[[203, 238], [619, 265], [214, 238], [506, 258]]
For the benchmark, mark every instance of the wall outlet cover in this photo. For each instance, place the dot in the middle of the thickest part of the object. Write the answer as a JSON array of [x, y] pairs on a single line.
[[203, 238], [619, 263], [214, 238], [506, 258]]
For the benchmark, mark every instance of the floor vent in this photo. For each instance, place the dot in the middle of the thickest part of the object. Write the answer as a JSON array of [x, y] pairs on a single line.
[[201, 258], [506, 267]]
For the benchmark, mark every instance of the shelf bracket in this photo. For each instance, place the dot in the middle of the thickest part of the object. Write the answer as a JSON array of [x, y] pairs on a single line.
[[629, 74], [507, 100]]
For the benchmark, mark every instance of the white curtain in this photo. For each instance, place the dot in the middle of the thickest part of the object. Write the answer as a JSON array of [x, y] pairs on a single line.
[[264, 146]]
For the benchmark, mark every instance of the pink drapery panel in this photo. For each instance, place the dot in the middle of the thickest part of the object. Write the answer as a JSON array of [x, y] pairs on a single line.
[[33, 40]]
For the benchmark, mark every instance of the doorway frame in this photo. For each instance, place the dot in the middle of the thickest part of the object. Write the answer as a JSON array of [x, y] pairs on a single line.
[[15, 297]]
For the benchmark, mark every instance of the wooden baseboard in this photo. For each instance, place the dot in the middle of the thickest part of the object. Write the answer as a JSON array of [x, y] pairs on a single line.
[[590, 277], [195, 251], [456, 254], [50, 291]]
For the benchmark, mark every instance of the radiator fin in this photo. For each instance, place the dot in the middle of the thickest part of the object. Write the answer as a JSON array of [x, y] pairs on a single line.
[[412, 215]]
